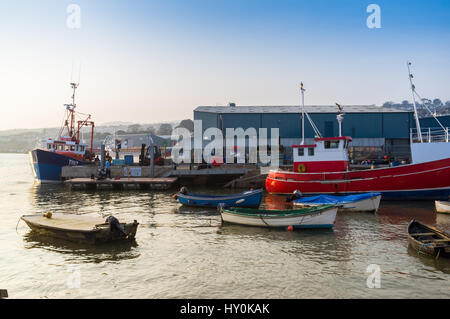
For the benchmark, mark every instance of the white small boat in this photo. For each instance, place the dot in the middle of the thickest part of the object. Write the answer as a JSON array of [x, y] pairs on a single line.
[[366, 202], [442, 207], [310, 217]]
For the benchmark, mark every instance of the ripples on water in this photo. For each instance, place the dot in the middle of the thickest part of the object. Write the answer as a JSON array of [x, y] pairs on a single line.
[[186, 253]]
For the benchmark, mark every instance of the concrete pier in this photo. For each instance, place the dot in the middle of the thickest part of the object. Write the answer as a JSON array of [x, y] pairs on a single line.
[[185, 174], [123, 183]]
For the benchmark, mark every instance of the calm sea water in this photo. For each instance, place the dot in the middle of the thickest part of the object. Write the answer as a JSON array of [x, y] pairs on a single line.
[[187, 253]]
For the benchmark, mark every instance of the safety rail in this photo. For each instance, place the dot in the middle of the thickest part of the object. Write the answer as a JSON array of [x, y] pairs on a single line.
[[429, 135]]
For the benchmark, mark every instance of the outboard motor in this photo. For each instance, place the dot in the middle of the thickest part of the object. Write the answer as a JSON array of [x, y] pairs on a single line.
[[295, 195], [115, 225], [184, 190]]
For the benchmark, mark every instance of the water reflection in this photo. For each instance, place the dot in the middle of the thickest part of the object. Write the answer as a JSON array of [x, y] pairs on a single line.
[[443, 222], [273, 201], [120, 250], [196, 210], [442, 264], [401, 212], [274, 233], [174, 239]]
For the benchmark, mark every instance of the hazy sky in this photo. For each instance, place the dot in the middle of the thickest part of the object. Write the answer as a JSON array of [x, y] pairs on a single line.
[[151, 61]]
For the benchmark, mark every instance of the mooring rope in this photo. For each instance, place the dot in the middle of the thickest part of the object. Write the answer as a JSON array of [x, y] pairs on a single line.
[[18, 224], [260, 216]]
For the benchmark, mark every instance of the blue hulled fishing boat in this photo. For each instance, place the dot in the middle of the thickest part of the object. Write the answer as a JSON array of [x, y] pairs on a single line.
[[51, 155]]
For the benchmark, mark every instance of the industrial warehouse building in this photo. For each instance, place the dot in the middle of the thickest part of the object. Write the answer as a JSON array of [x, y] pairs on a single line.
[[376, 131]]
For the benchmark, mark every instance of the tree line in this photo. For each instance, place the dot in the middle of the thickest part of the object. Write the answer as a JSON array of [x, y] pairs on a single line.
[[163, 129], [436, 106]]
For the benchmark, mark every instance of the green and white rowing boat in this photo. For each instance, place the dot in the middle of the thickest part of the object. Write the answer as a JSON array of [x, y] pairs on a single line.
[[322, 216]]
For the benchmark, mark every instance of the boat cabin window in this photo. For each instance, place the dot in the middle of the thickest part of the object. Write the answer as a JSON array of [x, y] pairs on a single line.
[[310, 151], [66, 147], [300, 151], [49, 146], [331, 144], [72, 148], [81, 148], [60, 147]]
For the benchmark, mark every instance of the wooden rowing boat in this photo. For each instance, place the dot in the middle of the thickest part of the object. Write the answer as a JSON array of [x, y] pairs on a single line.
[[310, 217], [80, 228], [442, 207], [428, 240]]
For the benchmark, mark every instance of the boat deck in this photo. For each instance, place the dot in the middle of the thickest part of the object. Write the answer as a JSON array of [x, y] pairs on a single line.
[[160, 183], [65, 221]]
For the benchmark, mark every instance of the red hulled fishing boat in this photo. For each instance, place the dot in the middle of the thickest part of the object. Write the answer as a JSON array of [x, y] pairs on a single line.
[[323, 167]]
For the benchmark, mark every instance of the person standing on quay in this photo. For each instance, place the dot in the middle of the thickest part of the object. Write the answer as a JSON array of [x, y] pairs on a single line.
[[108, 169]]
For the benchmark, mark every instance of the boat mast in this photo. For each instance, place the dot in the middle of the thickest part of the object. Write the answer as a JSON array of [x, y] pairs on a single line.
[[71, 109], [413, 89], [72, 120], [303, 113]]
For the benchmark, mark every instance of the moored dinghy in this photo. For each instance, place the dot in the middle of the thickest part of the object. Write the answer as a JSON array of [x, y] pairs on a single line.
[[428, 240], [310, 217], [366, 202], [442, 207], [81, 228], [251, 198]]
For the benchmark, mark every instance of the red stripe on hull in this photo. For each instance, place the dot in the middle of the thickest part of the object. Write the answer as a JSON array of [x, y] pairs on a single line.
[[430, 175]]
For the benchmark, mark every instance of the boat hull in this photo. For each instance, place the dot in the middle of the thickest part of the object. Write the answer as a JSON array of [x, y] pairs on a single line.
[[319, 219], [47, 165], [102, 233], [364, 205], [246, 199], [442, 207], [422, 181]]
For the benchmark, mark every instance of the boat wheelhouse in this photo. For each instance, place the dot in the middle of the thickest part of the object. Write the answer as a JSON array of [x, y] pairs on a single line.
[[326, 154], [65, 146]]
